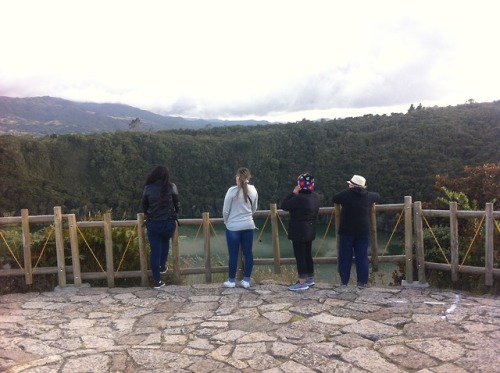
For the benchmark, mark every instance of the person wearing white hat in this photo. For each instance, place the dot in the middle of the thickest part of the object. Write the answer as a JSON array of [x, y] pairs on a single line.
[[354, 229]]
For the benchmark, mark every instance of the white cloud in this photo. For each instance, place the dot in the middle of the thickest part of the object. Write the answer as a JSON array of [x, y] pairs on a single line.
[[262, 59]]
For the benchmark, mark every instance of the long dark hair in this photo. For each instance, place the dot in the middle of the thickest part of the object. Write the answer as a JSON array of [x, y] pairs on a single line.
[[159, 173]]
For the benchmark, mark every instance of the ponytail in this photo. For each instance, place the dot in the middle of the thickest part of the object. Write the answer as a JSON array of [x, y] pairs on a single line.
[[244, 175]]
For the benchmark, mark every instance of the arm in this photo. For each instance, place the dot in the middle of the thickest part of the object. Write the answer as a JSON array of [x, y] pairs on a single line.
[[226, 208], [255, 202], [374, 197], [338, 198], [175, 198], [289, 201], [144, 202]]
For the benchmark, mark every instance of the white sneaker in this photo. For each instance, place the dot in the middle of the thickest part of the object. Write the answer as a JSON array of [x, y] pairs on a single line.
[[229, 284], [245, 284]]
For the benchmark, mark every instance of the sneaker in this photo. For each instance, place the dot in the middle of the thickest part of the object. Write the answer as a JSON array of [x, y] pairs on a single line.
[[229, 284], [310, 282], [159, 285], [245, 284], [361, 285], [163, 271], [298, 286]]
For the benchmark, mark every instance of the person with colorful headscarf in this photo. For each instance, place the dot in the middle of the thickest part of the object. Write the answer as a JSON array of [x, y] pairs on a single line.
[[303, 205]]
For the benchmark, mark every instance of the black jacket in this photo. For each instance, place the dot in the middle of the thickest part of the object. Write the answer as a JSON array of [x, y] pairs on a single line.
[[156, 208], [303, 208], [355, 212]]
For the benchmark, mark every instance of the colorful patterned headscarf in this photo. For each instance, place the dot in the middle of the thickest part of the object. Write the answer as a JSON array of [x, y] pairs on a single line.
[[306, 182]]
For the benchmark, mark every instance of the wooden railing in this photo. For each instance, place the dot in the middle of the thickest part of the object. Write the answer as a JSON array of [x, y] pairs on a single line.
[[413, 214]]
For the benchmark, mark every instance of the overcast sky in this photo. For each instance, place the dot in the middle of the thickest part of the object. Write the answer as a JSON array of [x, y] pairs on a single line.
[[279, 60]]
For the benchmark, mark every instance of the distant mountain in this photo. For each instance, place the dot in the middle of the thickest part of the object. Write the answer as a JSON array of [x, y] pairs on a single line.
[[50, 115]]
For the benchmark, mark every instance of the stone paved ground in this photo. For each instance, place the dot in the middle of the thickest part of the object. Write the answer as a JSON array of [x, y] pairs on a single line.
[[207, 328]]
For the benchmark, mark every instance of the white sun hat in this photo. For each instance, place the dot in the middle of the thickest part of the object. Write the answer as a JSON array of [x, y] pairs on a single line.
[[358, 181]]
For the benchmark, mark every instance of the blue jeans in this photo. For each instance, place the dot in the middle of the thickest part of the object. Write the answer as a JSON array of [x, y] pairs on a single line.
[[159, 234], [235, 239], [357, 244]]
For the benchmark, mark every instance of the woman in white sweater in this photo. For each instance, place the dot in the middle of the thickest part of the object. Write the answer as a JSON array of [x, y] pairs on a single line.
[[240, 203]]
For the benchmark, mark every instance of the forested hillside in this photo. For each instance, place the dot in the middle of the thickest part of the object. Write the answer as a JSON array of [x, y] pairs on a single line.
[[39, 116], [398, 154]]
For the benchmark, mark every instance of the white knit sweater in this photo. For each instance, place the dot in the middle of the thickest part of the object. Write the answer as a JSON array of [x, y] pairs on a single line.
[[238, 213]]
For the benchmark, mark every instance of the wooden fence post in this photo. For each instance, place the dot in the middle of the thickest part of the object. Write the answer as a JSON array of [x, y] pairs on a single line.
[[75, 252], [61, 266], [488, 257], [408, 239], [373, 238], [28, 270], [108, 244], [206, 247], [273, 210], [454, 240], [143, 258], [176, 256], [419, 238]]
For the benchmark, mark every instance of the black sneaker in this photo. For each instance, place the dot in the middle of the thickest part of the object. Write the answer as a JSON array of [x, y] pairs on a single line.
[[163, 271], [159, 285]]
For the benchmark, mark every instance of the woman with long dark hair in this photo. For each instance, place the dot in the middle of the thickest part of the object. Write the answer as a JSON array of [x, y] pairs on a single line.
[[160, 204]]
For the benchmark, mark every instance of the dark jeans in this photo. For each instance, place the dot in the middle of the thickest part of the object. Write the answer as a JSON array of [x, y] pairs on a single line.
[[357, 244], [235, 239], [303, 257], [159, 234]]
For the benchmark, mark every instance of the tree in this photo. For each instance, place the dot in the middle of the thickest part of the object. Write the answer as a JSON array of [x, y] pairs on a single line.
[[136, 123], [477, 186], [480, 183], [462, 200]]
